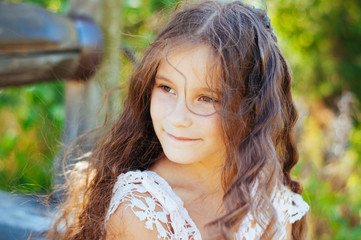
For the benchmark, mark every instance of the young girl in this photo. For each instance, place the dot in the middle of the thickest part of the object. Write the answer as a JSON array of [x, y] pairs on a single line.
[[203, 147]]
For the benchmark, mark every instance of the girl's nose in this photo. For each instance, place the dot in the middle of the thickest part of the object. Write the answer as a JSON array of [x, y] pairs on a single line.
[[179, 115]]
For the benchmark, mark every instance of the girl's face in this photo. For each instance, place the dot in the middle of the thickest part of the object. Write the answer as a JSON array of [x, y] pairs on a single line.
[[181, 91]]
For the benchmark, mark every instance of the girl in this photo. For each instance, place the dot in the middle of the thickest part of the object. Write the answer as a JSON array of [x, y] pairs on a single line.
[[203, 148]]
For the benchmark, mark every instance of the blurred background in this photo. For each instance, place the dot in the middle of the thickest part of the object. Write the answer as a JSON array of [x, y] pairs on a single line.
[[322, 42]]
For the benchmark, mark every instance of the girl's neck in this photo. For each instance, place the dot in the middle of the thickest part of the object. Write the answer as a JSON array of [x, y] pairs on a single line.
[[199, 178]]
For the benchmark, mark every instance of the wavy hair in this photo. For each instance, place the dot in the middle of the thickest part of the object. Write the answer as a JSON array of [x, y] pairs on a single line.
[[257, 116]]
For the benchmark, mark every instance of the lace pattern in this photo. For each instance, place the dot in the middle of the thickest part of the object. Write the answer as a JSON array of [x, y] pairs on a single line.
[[290, 208], [153, 201]]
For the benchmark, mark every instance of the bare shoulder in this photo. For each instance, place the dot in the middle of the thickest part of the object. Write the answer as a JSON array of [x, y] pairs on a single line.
[[124, 224]]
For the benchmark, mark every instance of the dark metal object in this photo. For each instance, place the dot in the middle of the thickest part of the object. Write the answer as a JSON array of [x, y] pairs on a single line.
[[37, 45]]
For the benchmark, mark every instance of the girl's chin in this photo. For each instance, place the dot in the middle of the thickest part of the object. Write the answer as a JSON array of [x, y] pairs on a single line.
[[180, 159]]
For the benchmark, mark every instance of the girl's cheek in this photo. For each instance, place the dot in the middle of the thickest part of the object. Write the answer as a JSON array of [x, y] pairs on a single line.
[[163, 101], [160, 103]]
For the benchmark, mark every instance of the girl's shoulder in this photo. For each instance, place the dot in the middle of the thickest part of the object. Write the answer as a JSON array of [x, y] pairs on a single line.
[[143, 185], [151, 200], [138, 190]]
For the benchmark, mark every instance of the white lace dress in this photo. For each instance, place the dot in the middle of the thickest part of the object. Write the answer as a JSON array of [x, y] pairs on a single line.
[[154, 202]]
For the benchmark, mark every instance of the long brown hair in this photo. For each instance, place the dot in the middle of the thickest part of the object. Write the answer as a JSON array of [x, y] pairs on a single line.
[[258, 116]]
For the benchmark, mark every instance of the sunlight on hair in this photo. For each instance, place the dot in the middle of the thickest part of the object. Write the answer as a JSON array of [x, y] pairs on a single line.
[[84, 156]]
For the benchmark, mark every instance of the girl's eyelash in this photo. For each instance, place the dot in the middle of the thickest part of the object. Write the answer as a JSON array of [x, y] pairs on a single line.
[[165, 88], [208, 99]]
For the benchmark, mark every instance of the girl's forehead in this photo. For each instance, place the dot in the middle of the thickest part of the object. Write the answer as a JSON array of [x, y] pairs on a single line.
[[190, 60]]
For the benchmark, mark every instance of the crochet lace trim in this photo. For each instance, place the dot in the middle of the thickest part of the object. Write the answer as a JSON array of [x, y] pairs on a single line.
[[153, 201]]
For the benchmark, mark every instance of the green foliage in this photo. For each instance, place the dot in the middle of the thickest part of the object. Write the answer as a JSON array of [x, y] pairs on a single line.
[[321, 40], [30, 128], [53, 5], [142, 20]]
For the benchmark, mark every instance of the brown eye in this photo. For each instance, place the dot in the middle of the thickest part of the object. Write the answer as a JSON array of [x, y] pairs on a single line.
[[166, 88], [208, 99]]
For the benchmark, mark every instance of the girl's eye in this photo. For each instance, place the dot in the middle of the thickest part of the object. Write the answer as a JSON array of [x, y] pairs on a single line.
[[166, 88], [208, 99]]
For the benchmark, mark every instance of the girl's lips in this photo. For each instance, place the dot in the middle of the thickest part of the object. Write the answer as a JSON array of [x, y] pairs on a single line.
[[182, 138]]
